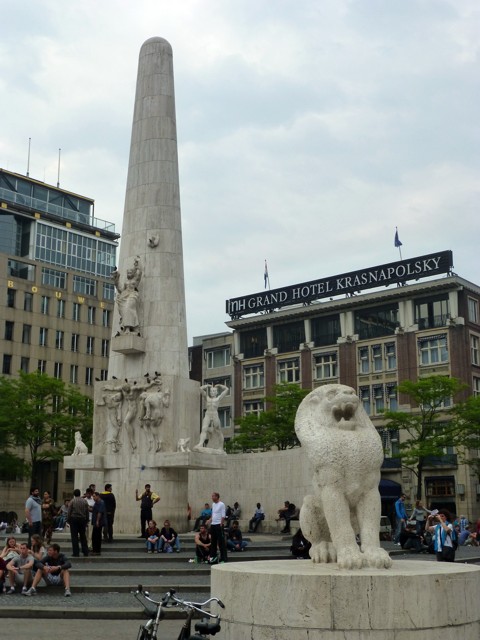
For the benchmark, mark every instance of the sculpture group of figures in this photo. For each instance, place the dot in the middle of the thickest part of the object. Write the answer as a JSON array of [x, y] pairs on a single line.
[[130, 402]]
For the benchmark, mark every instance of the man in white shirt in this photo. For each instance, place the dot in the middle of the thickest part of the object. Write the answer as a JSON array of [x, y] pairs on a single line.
[[216, 530]]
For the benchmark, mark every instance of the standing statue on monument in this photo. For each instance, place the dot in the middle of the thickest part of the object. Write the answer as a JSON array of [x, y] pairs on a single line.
[[130, 398], [154, 402], [113, 403], [128, 298], [211, 426]]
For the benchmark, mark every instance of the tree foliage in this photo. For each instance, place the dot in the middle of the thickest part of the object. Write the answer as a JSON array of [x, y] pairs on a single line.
[[273, 428], [40, 415], [429, 425], [467, 431]]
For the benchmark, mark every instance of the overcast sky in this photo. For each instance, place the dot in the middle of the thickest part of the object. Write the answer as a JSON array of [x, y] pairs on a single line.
[[308, 129]]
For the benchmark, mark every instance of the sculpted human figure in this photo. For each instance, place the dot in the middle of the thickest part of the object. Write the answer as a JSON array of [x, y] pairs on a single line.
[[130, 400], [346, 454], [155, 403], [211, 427], [128, 297], [113, 403]]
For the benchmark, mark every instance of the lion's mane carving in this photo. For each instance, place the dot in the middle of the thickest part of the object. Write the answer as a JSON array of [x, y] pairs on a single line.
[[346, 454]]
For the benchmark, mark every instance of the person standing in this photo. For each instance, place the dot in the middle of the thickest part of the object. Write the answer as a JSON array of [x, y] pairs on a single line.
[[401, 518], [418, 514], [88, 497], [217, 533], [33, 513], [99, 521], [49, 511], [77, 518], [147, 500], [110, 506]]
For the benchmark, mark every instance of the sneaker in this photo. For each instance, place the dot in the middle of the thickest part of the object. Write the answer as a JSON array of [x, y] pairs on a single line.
[[10, 591], [24, 589], [68, 593], [30, 592], [213, 560]]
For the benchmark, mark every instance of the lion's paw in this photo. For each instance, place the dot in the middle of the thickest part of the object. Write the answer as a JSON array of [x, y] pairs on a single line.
[[350, 558], [323, 552], [376, 557]]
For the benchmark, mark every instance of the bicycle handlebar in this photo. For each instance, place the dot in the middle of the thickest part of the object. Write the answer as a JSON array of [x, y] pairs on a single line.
[[170, 596]]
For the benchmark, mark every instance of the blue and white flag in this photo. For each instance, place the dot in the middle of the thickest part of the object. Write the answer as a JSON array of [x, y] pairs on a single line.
[[265, 275], [397, 239]]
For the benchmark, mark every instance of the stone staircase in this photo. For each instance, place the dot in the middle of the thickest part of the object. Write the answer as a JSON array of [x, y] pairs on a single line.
[[102, 586]]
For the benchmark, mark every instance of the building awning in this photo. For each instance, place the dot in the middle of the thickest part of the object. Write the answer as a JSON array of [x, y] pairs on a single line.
[[389, 489]]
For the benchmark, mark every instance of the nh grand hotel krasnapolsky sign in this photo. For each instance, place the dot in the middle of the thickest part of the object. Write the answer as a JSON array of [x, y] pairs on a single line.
[[343, 284]]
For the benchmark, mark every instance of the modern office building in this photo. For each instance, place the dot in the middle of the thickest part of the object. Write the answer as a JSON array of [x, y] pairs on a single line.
[[56, 294], [337, 330]]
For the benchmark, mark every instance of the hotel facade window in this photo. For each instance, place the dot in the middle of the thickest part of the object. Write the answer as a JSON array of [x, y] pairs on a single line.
[[85, 286], [476, 386], [253, 407], [76, 311], [253, 343], [432, 312], [54, 278], [377, 357], [75, 342], [7, 364], [253, 377], [475, 349], [106, 317], [59, 339], [325, 366], [365, 399], [44, 305], [392, 397], [391, 355], [325, 330], [9, 326], [364, 359], [26, 334], [378, 399], [43, 337], [60, 308], [226, 382], [89, 376], [288, 337], [90, 345], [288, 371], [28, 301], [57, 370], [433, 349], [218, 358], [42, 366], [11, 294], [473, 310], [224, 415], [24, 364], [91, 315], [375, 322], [74, 374], [103, 374], [105, 348]]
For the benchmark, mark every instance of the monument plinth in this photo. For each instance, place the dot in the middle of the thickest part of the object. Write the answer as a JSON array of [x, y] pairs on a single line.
[[413, 600]]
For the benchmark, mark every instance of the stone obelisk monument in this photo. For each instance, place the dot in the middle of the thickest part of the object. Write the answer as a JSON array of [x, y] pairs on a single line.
[[147, 415]]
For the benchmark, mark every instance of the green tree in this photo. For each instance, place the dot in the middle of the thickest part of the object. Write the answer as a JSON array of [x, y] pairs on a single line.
[[467, 431], [429, 424], [41, 414], [274, 427]]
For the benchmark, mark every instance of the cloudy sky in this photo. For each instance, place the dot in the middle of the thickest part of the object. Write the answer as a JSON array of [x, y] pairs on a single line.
[[308, 129]]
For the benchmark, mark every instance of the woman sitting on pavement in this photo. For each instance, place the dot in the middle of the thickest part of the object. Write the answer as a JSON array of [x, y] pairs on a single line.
[[153, 537], [37, 547], [168, 538], [11, 549], [203, 542]]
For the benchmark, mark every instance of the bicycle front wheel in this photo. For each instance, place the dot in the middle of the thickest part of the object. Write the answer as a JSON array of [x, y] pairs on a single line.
[[146, 634]]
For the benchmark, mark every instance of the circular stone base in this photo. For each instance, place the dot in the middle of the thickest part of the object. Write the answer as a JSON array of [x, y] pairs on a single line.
[[299, 600]]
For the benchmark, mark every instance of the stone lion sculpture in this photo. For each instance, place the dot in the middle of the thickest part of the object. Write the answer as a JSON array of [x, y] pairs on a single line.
[[346, 454]]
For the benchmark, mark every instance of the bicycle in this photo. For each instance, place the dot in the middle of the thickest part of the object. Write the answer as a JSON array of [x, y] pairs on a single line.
[[204, 628]]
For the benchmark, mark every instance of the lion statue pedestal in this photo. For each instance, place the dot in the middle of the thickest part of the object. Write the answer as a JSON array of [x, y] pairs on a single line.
[[302, 600], [346, 591]]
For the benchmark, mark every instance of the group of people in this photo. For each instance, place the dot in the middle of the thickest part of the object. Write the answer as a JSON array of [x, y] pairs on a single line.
[[24, 565], [433, 531], [89, 517]]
